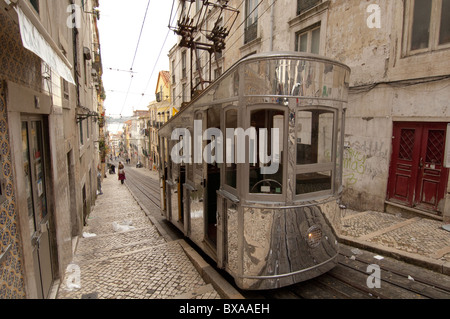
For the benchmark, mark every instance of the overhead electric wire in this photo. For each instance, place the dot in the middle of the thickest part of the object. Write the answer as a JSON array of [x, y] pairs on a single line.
[[140, 35], [203, 52], [160, 52], [134, 58], [119, 70], [237, 29]]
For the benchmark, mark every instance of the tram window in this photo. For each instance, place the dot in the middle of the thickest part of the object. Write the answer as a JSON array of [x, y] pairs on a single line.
[[198, 165], [265, 183], [214, 115], [314, 137], [313, 182], [231, 168], [167, 156], [190, 167]]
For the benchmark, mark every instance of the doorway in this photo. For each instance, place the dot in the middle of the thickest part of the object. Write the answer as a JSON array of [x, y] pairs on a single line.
[[212, 180], [417, 176], [34, 152]]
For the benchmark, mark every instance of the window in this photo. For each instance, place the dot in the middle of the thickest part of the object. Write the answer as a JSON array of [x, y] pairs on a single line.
[[198, 58], [428, 25], [444, 30], [183, 65], [217, 73], [65, 87], [305, 5], [231, 122], [309, 40], [173, 72], [315, 136], [81, 132], [183, 94], [251, 21], [261, 183]]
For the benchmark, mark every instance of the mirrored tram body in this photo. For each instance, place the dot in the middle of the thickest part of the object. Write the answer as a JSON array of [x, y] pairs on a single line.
[[266, 230]]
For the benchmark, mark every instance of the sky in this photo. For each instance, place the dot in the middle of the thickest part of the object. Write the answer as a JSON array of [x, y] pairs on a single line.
[[120, 25]]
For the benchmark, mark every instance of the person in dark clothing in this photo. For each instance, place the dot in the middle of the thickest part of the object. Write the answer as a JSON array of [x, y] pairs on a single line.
[[122, 176]]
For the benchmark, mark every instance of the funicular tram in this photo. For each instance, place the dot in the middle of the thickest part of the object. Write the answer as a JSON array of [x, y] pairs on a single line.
[[255, 208]]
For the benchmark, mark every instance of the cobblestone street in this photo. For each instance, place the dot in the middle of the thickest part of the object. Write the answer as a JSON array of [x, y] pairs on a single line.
[[127, 258], [419, 238]]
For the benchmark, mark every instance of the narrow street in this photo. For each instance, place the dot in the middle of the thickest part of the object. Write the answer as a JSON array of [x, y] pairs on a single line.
[[123, 256]]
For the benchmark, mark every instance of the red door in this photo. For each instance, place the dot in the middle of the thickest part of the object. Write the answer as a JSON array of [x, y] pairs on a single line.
[[417, 175]]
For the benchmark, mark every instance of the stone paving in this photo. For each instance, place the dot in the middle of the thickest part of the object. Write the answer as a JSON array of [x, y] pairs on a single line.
[[128, 258], [419, 236]]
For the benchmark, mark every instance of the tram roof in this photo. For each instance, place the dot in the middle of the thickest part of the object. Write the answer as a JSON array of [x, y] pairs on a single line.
[[258, 57], [290, 55]]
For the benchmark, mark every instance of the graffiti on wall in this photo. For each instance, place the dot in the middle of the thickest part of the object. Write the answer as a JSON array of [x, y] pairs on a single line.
[[354, 166], [363, 160]]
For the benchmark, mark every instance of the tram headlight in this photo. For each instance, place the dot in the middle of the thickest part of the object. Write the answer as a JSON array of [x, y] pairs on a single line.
[[314, 236]]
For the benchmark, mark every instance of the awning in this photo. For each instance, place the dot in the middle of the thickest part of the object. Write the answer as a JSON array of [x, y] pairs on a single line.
[[34, 41]]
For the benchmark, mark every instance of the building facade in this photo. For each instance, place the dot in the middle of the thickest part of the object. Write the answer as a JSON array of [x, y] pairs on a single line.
[[160, 111], [138, 141], [49, 96], [397, 145]]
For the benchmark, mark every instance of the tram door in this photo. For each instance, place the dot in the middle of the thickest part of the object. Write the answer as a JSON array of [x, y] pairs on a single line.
[[212, 181], [34, 159], [181, 181], [163, 173]]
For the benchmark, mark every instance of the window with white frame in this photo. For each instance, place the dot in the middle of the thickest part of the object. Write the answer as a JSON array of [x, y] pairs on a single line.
[[427, 25], [308, 40]]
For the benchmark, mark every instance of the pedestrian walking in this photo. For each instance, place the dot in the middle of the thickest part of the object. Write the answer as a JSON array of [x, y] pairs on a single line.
[[122, 177]]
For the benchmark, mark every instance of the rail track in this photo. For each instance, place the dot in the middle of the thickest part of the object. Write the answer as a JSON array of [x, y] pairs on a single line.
[[349, 280], [148, 188], [358, 270]]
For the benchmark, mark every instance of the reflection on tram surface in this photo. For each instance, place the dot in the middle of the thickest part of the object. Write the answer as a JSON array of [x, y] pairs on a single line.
[[252, 168]]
